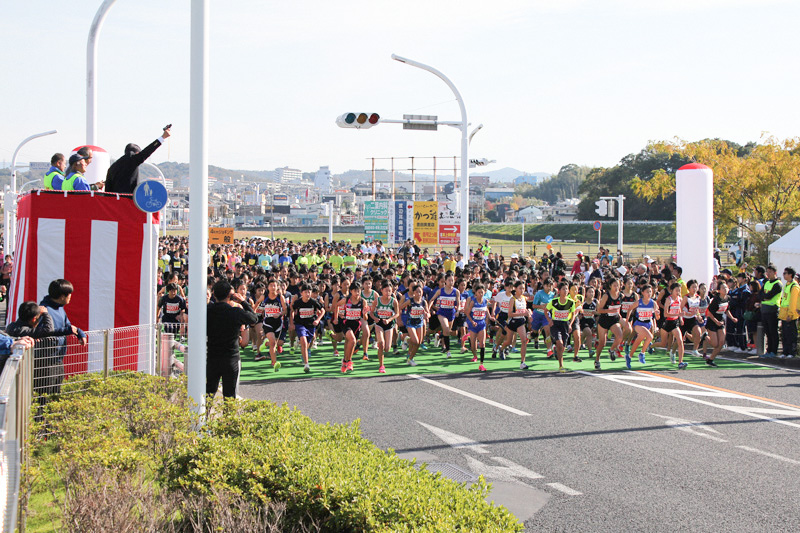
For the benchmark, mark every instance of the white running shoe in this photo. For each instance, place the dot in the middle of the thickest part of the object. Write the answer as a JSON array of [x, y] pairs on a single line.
[[448, 354], [411, 362]]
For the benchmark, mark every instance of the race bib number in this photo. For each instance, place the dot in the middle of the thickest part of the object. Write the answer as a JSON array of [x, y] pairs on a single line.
[[385, 313], [479, 314], [352, 313], [722, 308], [447, 302], [273, 311], [588, 313], [306, 312], [172, 308], [613, 310], [505, 305], [645, 314], [626, 306], [417, 312], [560, 314]]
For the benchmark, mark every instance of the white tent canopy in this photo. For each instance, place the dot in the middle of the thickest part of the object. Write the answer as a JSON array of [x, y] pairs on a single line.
[[785, 252]]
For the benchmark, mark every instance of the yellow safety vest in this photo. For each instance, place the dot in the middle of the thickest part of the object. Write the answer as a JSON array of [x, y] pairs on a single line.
[[69, 182], [775, 300], [786, 295], [48, 179]]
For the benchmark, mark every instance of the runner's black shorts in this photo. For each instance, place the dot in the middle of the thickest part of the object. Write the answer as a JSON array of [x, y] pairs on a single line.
[[272, 325], [669, 325], [607, 321], [559, 331], [385, 326], [515, 323], [351, 325]]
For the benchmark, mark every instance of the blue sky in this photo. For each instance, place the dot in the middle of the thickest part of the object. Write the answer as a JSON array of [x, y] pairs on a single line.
[[553, 82]]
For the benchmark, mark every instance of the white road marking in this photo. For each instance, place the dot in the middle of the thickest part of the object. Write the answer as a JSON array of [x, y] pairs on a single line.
[[683, 394], [509, 471], [456, 441], [689, 426], [470, 395], [768, 454], [563, 488]]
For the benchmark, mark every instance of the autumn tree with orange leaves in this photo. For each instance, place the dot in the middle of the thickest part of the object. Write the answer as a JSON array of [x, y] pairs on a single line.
[[753, 184]]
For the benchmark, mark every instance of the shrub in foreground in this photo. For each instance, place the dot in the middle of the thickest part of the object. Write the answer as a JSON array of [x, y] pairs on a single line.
[[328, 472], [121, 456]]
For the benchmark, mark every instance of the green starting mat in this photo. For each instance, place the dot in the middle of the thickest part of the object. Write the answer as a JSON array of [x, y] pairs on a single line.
[[324, 363]]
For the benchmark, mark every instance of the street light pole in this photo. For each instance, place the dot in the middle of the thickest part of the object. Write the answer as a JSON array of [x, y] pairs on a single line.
[[464, 241], [9, 224], [91, 71], [198, 203]]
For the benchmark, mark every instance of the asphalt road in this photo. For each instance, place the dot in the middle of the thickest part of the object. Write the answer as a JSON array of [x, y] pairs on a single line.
[[704, 450]]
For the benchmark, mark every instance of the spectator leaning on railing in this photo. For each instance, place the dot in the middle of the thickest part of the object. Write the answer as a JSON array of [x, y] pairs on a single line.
[[7, 344]]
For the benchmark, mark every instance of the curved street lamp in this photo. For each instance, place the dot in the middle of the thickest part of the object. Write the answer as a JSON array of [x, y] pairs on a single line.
[[464, 241], [10, 201]]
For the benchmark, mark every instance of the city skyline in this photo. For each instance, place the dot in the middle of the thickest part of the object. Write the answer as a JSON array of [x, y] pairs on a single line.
[[577, 82]]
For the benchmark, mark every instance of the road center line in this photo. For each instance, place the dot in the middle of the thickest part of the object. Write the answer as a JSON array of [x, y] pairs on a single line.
[[470, 395], [768, 454]]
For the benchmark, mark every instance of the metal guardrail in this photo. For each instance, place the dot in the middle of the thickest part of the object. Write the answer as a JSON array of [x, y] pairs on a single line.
[[15, 403]]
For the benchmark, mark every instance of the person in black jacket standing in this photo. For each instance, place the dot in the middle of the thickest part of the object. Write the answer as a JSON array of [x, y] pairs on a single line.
[[123, 174], [224, 321]]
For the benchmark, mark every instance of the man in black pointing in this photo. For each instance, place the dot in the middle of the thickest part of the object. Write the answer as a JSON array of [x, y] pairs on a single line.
[[123, 175]]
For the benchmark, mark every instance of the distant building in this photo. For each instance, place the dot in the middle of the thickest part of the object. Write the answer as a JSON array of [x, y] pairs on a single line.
[[530, 179], [529, 214], [322, 180], [479, 181], [286, 174], [498, 193], [565, 210]]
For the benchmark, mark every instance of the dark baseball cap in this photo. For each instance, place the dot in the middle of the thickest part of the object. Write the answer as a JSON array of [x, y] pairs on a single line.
[[74, 158]]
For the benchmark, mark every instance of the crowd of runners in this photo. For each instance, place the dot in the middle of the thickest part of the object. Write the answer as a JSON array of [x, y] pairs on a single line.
[[401, 301]]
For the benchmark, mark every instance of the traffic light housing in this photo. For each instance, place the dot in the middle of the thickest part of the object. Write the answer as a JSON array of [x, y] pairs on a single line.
[[602, 208], [358, 120]]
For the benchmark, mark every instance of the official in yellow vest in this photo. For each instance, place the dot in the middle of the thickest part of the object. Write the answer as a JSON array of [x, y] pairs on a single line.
[[74, 181], [788, 313], [58, 164], [770, 302]]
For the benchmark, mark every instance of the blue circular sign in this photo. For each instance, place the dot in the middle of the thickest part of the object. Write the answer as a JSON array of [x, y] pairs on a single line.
[[548, 239], [596, 225], [150, 196]]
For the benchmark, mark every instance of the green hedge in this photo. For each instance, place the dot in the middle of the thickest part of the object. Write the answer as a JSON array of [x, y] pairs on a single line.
[[326, 477]]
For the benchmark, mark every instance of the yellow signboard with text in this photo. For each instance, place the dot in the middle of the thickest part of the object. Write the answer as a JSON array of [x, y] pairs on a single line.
[[426, 223]]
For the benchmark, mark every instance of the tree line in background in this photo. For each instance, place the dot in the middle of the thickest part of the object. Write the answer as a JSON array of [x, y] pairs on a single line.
[[754, 184]]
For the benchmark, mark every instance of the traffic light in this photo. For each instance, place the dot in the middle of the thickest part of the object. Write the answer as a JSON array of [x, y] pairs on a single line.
[[602, 208], [358, 120]]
